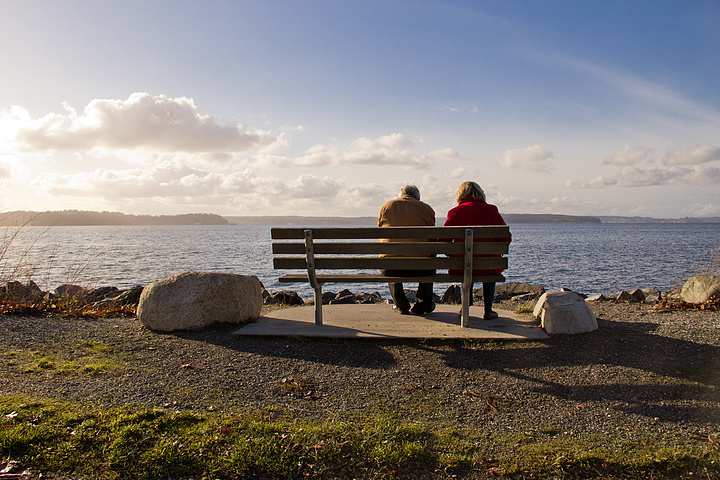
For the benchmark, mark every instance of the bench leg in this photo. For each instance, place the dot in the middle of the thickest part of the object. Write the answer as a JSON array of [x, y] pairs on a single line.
[[465, 312], [318, 306]]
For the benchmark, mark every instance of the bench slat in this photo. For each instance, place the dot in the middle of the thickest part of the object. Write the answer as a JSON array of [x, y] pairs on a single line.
[[409, 248], [480, 231], [390, 263], [376, 278]]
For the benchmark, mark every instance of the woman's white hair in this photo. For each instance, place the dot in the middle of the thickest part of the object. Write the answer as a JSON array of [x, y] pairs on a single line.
[[469, 189]]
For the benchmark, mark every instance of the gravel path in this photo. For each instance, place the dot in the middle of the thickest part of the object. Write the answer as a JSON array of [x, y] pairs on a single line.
[[643, 373]]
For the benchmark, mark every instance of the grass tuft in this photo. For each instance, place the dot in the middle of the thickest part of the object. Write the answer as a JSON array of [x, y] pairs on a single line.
[[84, 358]]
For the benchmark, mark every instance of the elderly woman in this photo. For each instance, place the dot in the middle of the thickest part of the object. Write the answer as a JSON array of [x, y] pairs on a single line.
[[473, 209]]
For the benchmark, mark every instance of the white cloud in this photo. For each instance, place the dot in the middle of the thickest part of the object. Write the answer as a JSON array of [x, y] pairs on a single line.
[[628, 155], [459, 172], [142, 122], [387, 150], [310, 186], [444, 154], [691, 154], [531, 159], [702, 210], [172, 182], [633, 176], [167, 179], [702, 175], [649, 177], [461, 107], [597, 182]]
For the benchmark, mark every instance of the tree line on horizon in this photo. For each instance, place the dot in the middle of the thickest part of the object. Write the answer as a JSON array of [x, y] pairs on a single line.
[[91, 218]]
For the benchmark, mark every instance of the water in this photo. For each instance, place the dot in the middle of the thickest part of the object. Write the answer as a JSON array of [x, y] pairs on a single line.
[[589, 258]]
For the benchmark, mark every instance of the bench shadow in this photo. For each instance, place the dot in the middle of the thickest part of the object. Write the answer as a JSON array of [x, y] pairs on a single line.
[[685, 371], [362, 353]]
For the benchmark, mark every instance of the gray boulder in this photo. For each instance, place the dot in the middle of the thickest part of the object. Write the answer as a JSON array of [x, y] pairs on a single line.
[[626, 296], [284, 297], [101, 293], [652, 295], [195, 300], [372, 297], [516, 289], [327, 297], [344, 297], [126, 298], [452, 296], [700, 289], [638, 294], [564, 313], [71, 292], [15, 291], [527, 297]]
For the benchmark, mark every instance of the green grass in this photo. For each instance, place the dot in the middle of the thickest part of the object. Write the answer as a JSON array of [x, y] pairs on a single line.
[[84, 441], [87, 357]]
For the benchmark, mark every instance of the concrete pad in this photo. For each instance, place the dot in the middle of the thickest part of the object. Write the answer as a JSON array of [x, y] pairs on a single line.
[[380, 321]]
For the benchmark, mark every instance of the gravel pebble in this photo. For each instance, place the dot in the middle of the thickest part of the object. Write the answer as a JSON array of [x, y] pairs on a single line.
[[642, 374]]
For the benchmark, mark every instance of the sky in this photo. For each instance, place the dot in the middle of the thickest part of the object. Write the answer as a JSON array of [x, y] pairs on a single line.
[[327, 108]]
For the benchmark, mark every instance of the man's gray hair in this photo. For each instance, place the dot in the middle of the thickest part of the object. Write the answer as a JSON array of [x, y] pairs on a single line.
[[411, 190], [469, 189]]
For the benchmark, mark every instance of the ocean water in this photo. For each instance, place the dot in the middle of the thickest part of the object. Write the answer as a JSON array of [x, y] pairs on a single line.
[[588, 258]]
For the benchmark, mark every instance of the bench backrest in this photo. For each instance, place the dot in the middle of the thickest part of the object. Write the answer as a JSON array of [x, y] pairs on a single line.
[[358, 248]]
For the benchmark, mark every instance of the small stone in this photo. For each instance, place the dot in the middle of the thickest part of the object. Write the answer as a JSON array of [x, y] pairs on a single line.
[[596, 298]]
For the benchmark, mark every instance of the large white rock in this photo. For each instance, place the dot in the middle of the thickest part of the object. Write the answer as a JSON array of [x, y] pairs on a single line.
[[700, 288], [564, 312], [195, 300]]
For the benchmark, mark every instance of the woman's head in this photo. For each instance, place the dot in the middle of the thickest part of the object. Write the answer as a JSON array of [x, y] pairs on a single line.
[[469, 189]]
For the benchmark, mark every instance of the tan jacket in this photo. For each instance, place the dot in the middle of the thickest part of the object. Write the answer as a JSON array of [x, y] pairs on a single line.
[[405, 212]]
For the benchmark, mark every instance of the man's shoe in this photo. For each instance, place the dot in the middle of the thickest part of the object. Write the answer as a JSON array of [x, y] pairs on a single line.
[[489, 315], [423, 308], [401, 311]]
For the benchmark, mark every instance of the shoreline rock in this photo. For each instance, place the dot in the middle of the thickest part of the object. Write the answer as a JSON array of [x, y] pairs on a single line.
[[110, 297]]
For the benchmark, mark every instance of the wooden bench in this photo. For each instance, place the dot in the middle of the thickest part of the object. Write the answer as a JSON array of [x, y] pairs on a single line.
[[345, 254]]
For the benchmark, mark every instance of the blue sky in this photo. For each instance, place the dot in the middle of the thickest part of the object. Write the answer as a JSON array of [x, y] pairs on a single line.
[[329, 107]]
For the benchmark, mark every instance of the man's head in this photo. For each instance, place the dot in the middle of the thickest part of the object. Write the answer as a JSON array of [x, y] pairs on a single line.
[[469, 189], [410, 190]]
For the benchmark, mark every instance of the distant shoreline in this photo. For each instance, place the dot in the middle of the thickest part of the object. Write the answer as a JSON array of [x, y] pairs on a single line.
[[90, 218]]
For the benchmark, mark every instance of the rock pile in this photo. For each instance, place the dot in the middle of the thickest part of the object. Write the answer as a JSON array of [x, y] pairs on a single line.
[[103, 298], [452, 295], [697, 290]]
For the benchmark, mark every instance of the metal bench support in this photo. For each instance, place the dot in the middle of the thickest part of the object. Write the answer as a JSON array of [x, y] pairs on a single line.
[[467, 280], [312, 277]]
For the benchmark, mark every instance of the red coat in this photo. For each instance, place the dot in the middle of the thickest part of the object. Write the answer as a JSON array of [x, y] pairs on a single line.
[[475, 211]]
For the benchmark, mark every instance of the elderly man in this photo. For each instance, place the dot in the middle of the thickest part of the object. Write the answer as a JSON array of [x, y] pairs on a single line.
[[408, 210]]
